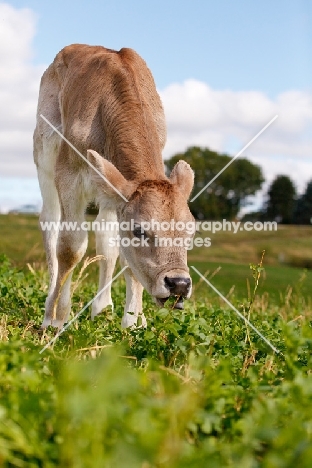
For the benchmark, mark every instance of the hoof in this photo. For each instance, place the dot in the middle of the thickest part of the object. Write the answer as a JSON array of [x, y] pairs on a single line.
[[52, 323], [130, 320], [96, 312]]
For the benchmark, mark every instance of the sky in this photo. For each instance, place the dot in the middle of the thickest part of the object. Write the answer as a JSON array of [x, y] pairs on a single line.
[[223, 70]]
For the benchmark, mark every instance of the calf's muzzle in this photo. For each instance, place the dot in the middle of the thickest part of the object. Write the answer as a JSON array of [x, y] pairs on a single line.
[[178, 286]]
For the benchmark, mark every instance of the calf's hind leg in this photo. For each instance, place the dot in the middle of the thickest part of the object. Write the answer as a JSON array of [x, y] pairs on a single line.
[[107, 263], [71, 246]]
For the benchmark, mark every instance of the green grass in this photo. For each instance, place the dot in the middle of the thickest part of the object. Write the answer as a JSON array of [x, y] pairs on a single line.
[[197, 388], [192, 390]]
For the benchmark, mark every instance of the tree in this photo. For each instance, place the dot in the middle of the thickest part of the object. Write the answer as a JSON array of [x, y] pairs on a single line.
[[228, 193], [281, 200], [303, 208]]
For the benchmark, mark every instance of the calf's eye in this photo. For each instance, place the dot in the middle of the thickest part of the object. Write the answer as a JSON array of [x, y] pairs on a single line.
[[138, 232]]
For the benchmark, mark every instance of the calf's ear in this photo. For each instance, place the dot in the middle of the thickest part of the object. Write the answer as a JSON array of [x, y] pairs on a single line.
[[182, 176], [108, 178]]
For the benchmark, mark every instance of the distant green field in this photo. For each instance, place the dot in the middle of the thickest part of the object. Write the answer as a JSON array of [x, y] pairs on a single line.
[[231, 254], [288, 245], [236, 281]]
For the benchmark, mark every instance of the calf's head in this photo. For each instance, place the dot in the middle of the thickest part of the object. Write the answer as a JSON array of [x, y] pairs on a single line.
[[156, 226]]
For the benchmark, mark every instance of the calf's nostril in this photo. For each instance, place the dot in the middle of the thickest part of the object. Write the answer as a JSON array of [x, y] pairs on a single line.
[[169, 282], [178, 286]]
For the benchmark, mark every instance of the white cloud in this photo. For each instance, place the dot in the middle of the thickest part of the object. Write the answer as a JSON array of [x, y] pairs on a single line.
[[226, 121], [19, 84]]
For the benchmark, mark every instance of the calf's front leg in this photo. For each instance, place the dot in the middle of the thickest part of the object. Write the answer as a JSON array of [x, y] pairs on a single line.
[[133, 308]]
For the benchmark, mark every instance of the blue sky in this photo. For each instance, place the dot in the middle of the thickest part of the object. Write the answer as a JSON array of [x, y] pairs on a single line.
[[240, 45], [223, 69]]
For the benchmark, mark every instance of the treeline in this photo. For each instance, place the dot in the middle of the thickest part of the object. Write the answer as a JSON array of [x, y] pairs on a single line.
[[285, 205], [231, 190]]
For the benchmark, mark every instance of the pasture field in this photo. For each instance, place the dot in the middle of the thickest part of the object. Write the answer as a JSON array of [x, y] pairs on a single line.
[[197, 388], [227, 260]]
